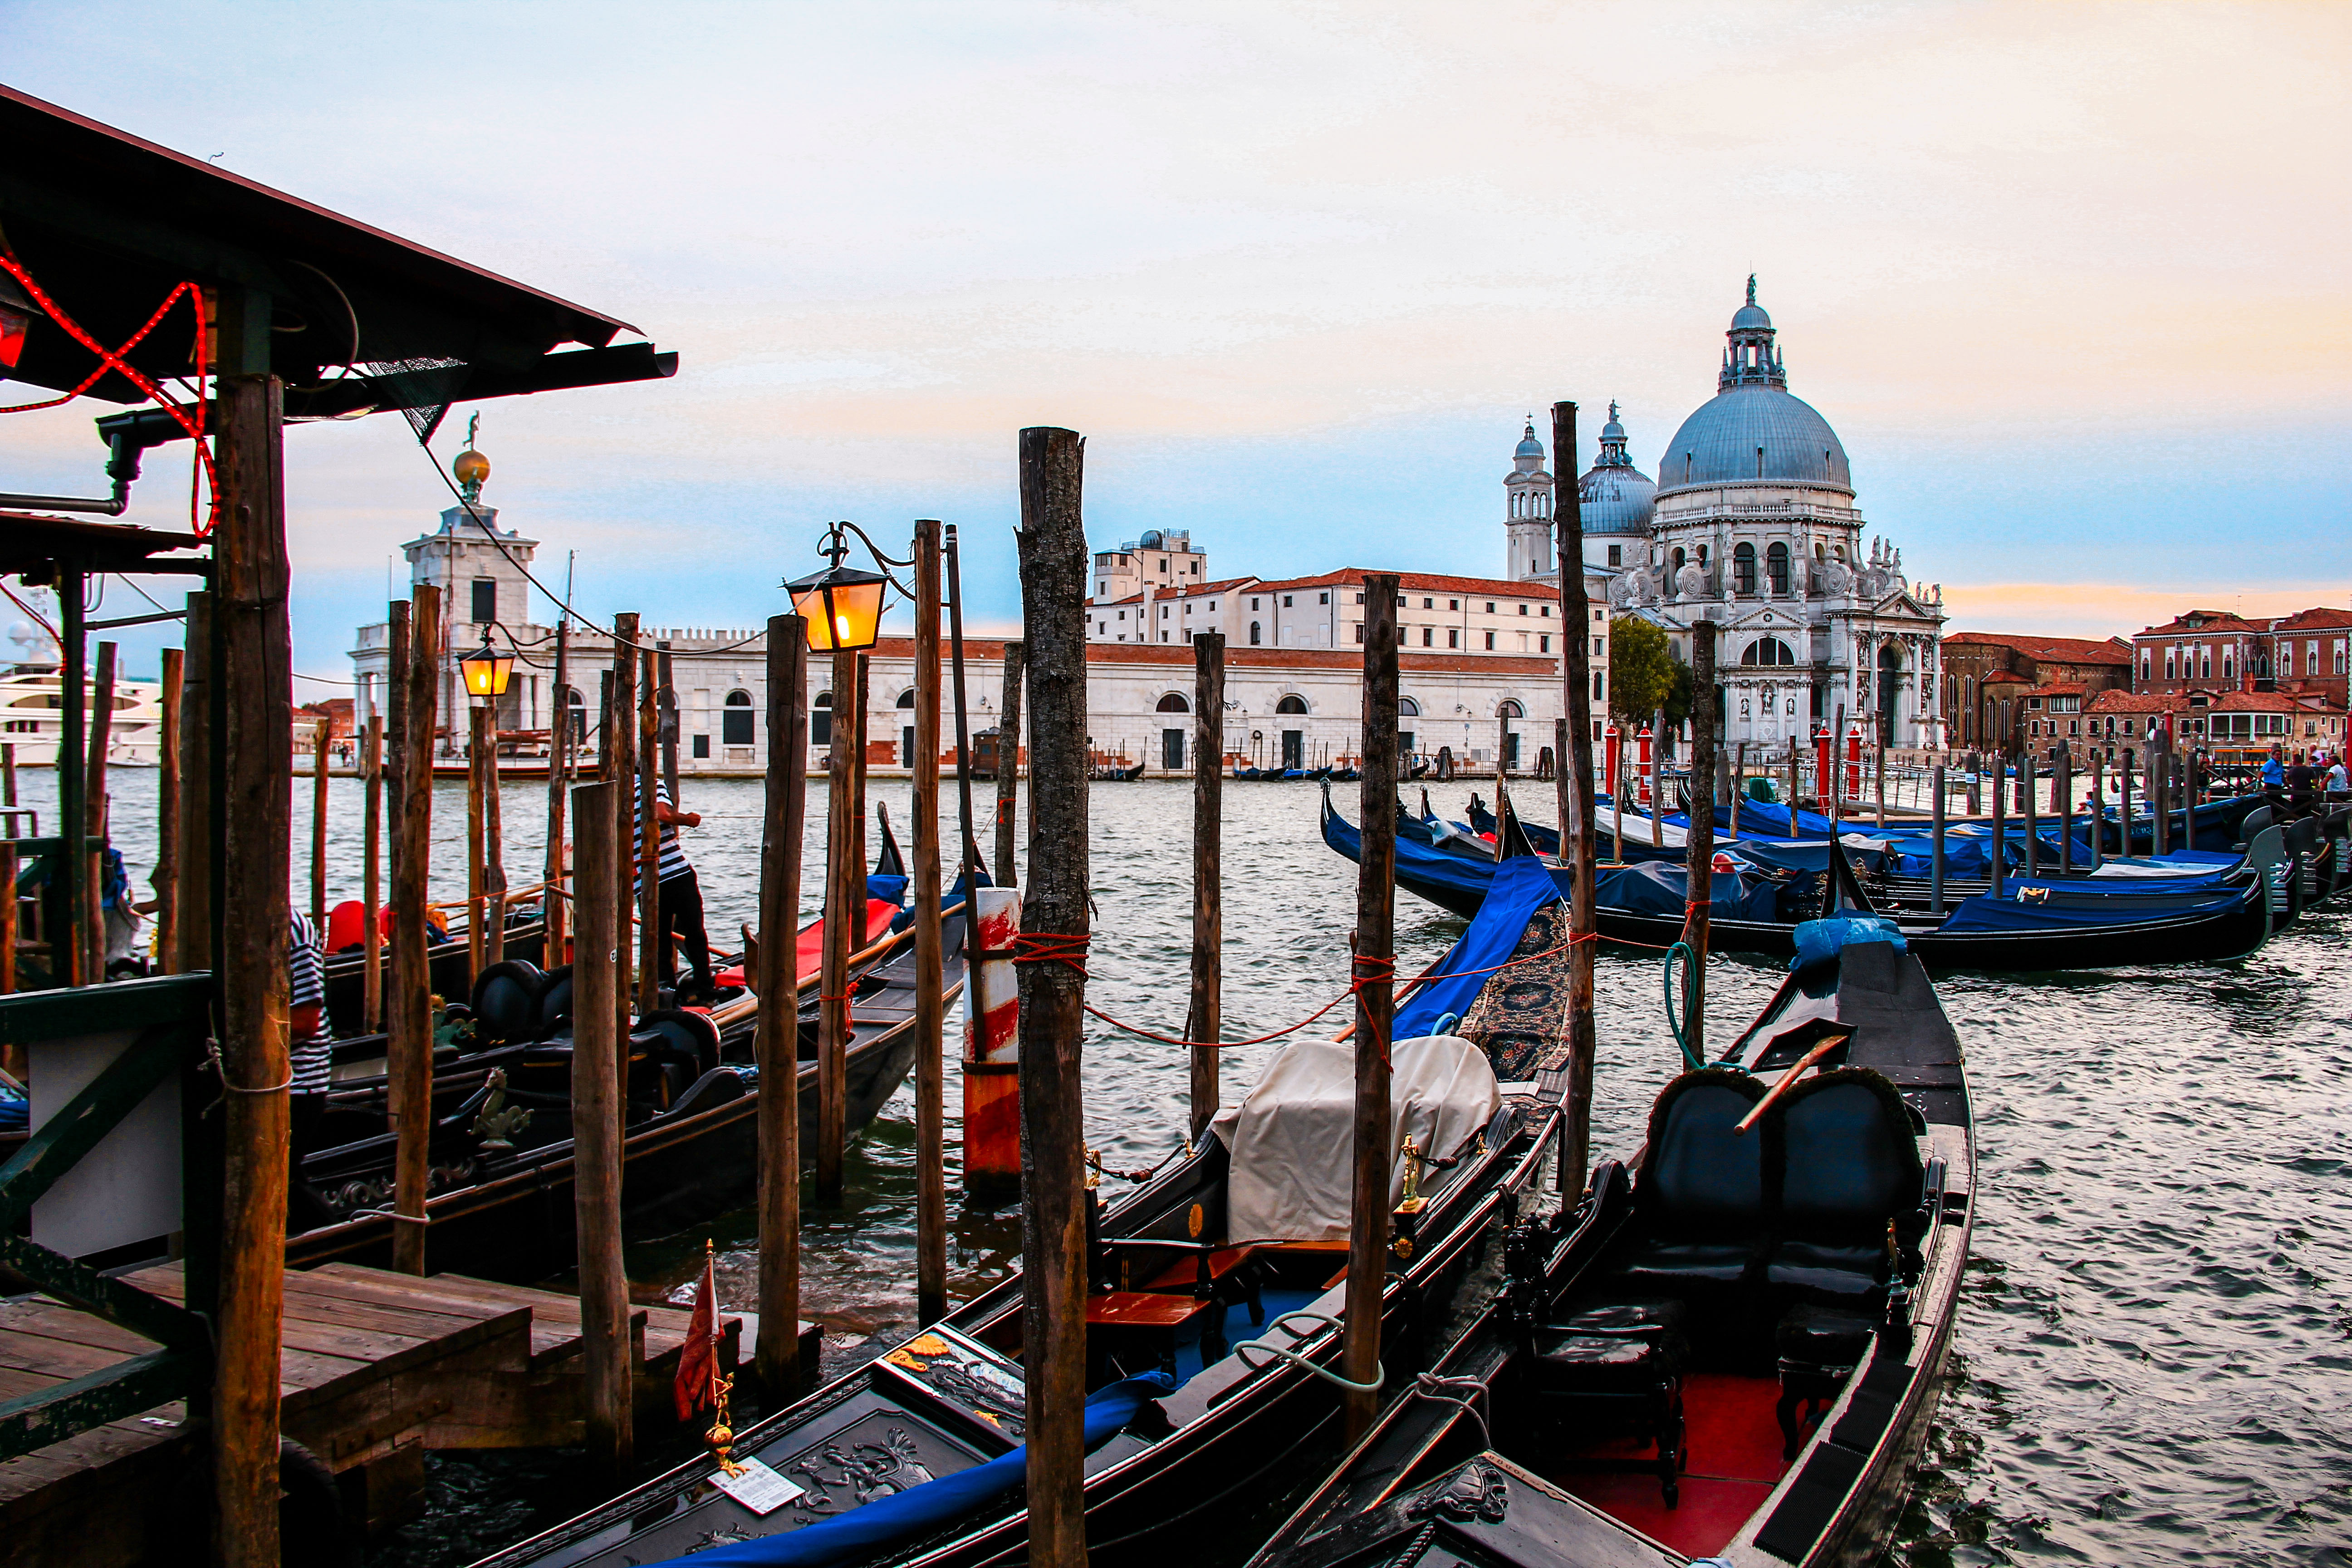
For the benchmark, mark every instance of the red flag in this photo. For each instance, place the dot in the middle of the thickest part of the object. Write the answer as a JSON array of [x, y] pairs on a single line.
[[697, 1362]]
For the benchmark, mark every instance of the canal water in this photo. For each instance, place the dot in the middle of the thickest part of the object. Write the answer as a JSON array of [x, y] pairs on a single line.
[[2154, 1343]]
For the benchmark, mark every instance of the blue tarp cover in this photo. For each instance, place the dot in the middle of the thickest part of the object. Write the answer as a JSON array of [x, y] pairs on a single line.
[[873, 1528], [1416, 863], [1820, 941], [1520, 886], [1663, 888], [1986, 913]]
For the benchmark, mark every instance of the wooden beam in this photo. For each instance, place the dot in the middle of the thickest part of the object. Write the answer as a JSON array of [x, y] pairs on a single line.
[[969, 854], [844, 922], [930, 959], [252, 575], [1008, 767], [165, 877], [1054, 560], [1576, 835], [621, 769], [102, 735], [1204, 1020], [193, 902], [603, 815], [372, 875], [776, 1041], [1374, 977], [1699, 840], [408, 1020]]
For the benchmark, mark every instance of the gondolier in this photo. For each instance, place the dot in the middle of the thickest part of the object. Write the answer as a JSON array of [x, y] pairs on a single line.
[[678, 901]]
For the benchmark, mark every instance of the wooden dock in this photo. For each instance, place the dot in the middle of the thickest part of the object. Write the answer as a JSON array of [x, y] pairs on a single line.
[[376, 1368]]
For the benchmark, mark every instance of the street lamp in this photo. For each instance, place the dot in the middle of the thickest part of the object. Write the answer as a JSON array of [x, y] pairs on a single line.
[[843, 606], [485, 670]]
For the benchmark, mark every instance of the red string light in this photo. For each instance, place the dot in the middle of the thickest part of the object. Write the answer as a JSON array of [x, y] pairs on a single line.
[[194, 425]]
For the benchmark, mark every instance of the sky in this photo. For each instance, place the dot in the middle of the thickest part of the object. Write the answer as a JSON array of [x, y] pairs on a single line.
[[2070, 281]]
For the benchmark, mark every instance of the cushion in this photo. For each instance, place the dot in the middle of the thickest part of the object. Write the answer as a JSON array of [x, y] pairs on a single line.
[[1602, 1364], [1822, 1336], [1844, 1156], [1688, 1262], [1699, 1178], [1827, 1269], [1641, 1319]]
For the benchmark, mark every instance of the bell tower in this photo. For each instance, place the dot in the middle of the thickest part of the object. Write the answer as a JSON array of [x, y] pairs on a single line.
[[1527, 495]]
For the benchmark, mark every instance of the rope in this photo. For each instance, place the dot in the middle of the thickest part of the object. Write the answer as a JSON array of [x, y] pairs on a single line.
[[1283, 1322], [1429, 1386]]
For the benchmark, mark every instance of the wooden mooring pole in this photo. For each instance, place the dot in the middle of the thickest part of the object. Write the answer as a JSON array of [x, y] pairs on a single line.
[[930, 956], [776, 1039], [1008, 766], [372, 875], [12, 1057], [650, 955], [165, 878], [477, 867], [1373, 975], [969, 853], [1057, 927], [602, 814], [557, 911], [2032, 818], [325, 737], [416, 634], [1699, 840], [2124, 804], [1936, 850], [191, 864], [101, 737], [251, 574], [1204, 1019], [844, 922], [1576, 828], [621, 771]]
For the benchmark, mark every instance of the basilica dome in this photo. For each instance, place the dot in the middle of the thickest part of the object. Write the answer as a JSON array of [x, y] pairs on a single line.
[[1615, 496], [1753, 430]]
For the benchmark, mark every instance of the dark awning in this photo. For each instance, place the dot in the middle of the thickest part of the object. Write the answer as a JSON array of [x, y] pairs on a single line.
[[109, 223], [33, 546]]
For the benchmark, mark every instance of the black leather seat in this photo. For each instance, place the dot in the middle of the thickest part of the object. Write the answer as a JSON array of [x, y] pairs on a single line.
[[1845, 1168], [1700, 1205], [1819, 1347], [1617, 1369]]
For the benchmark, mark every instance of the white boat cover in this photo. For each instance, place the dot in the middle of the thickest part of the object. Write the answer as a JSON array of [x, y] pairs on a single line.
[[1289, 1139]]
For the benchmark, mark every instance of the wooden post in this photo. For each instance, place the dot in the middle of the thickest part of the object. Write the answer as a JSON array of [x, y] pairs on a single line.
[[844, 919], [1739, 785], [1576, 834], [101, 736], [602, 816], [251, 574], [494, 848], [319, 825], [371, 876], [1204, 1019], [477, 729], [2000, 831], [2097, 813], [857, 856], [1374, 977], [2061, 803], [930, 956], [1008, 767], [70, 948], [970, 850], [1658, 780], [1878, 781], [1795, 780], [1935, 861], [165, 878], [1054, 560], [2160, 789], [12, 1057], [650, 945], [666, 706], [621, 769], [193, 903], [1698, 839], [776, 1041], [556, 910], [2123, 804], [409, 1012], [2032, 820]]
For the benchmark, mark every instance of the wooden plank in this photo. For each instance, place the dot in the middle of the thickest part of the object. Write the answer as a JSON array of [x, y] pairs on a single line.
[[776, 1037], [29, 1016], [1576, 839]]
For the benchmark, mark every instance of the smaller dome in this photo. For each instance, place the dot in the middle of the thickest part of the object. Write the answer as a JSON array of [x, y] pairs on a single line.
[[1529, 447], [1151, 539], [1751, 318]]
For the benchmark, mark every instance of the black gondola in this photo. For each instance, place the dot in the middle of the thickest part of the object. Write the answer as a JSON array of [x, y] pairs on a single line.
[[1732, 1348], [1251, 1326]]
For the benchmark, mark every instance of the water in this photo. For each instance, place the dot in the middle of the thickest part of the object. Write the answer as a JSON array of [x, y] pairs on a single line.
[[2153, 1343]]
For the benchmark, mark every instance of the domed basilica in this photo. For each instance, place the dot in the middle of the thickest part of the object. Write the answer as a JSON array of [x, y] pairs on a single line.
[[1751, 523]]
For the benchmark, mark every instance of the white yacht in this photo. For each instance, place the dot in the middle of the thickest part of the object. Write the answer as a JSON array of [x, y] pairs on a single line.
[[32, 717]]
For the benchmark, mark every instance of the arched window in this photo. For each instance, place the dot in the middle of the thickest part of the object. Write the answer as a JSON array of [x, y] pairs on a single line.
[[906, 697], [821, 719], [577, 707], [1291, 705], [1510, 710], [1743, 567], [1768, 650], [1679, 558], [1408, 709], [1253, 634], [735, 720], [1173, 703], [1776, 568]]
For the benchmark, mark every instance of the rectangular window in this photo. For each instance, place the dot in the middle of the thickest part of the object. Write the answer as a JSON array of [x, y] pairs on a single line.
[[1523, 609], [1616, 555], [1543, 645], [1428, 603], [701, 749], [820, 726], [1490, 606], [1599, 691], [1359, 637], [1252, 606], [1547, 610], [1490, 642], [1452, 639], [486, 598], [1171, 748], [735, 726], [1428, 636], [1288, 600], [1322, 598], [1452, 604], [1600, 646], [1360, 598]]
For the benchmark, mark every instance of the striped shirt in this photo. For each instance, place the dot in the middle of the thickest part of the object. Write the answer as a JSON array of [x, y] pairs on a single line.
[[673, 856], [306, 973]]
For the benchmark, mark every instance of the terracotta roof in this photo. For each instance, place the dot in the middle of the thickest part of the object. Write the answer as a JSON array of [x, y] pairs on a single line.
[[2134, 702], [2073, 650], [2268, 702], [1180, 591], [2058, 688], [2320, 619], [2214, 621], [1422, 582]]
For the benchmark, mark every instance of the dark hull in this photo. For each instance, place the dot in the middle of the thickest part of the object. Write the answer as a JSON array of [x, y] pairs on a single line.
[[452, 972], [676, 1170]]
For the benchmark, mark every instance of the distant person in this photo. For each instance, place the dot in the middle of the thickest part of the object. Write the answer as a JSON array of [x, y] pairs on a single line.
[[2338, 782], [2301, 785], [678, 913], [2274, 770]]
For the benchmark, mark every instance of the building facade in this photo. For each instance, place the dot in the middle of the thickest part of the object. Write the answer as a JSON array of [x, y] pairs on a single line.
[[1985, 674], [2306, 654]]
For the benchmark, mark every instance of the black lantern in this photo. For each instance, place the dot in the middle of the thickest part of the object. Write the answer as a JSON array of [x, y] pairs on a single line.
[[486, 671], [843, 606]]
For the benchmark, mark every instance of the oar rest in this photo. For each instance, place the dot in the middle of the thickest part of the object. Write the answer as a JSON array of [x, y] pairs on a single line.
[[1699, 1209], [1842, 1153]]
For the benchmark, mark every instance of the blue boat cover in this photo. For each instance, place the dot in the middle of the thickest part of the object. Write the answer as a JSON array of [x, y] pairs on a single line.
[[1420, 867], [1986, 913], [1520, 886], [1663, 888], [1820, 941], [866, 1531]]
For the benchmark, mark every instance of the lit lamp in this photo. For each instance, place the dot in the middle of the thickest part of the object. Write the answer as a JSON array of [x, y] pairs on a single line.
[[843, 606], [486, 671]]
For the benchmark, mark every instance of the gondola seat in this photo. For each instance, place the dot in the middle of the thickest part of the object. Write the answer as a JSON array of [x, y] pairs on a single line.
[[1818, 1348], [1617, 1369], [1845, 1168], [1699, 1207]]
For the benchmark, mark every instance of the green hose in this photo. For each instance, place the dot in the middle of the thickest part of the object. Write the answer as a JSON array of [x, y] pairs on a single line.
[[1690, 965]]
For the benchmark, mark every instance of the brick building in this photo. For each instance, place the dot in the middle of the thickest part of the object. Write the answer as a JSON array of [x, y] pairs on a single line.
[[2303, 655], [2249, 722], [1989, 677]]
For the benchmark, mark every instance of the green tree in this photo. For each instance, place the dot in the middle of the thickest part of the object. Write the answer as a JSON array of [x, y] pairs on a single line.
[[1642, 672]]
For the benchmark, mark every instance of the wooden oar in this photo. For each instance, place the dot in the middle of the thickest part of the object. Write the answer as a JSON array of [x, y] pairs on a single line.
[[1791, 1077]]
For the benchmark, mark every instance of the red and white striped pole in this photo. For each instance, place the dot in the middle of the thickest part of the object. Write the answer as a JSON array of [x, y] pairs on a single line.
[[991, 1050]]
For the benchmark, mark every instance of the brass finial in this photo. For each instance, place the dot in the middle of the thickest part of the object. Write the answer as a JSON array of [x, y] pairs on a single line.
[[1412, 1202], [470, 467]]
